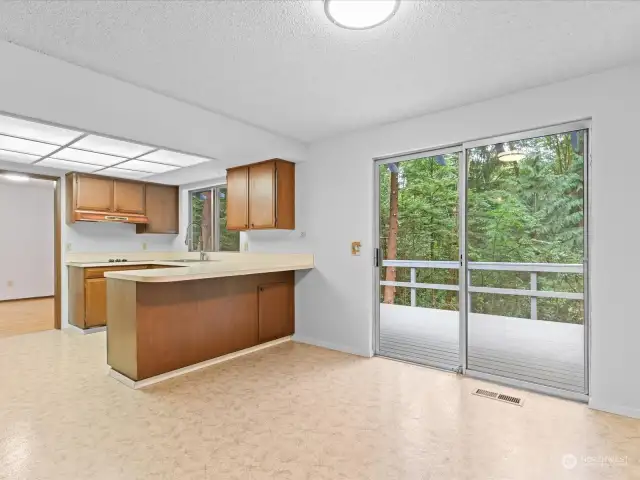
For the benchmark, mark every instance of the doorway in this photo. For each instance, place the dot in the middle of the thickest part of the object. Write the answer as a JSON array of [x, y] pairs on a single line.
[[30, 284], [481, 259]]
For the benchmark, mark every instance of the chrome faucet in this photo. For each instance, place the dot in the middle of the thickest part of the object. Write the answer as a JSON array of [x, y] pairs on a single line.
[[188, 240]]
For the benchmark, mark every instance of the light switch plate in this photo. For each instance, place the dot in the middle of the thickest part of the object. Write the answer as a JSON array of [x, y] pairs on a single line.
[[355, 248]]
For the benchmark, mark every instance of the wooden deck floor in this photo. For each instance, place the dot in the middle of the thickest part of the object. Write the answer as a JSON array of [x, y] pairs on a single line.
[[546, 353]]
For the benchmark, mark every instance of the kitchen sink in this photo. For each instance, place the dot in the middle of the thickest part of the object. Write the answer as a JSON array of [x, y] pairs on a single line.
[[193, 260]]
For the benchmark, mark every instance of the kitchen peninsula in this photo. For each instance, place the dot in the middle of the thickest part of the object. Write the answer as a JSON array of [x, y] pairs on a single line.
[[163, 320]]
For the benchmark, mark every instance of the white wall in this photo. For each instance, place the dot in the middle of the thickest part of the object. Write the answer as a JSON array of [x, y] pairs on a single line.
[[114, 237], [335, 301], [26, 240]]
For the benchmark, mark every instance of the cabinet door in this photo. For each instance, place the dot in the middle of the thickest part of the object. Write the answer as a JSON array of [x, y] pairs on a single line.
[[262, 195], [128, 197], [94, 193], [275, 311], [285, 195], [95, 298], [161, 209], [238, 198]]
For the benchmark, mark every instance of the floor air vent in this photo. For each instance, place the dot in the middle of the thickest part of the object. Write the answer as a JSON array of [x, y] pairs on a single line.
[[499, 396]]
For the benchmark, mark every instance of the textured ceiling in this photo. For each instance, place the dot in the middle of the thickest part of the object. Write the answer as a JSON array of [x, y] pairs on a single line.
[[283, 66]]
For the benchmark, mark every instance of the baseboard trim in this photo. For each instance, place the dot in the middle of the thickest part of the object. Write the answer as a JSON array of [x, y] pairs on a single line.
[[615, 409], [86, 331], [330, 346], [26, 299], [191, 368]]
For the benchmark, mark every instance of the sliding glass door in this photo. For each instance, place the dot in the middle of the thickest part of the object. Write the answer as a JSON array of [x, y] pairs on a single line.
[[525, 246], [419, 250], [482, 258]]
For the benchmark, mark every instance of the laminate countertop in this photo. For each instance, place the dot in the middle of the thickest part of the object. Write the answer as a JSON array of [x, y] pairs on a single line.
[[128, 263], [216, 266]]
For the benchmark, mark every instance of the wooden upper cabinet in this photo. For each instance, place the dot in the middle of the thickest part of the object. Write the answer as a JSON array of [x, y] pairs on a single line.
[[238, 198], [128, 197], [266, 191], [93, 193], [262, 195], [152, 207], [285, 195], [275, 311], [162, 209]]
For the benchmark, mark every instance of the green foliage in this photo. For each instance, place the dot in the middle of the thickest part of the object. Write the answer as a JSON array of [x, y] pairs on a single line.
[[529, 211], [197, 217], [229, 240]]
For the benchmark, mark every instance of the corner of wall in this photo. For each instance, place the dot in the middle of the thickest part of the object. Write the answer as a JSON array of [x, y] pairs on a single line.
[[607, 407], [332, 346]]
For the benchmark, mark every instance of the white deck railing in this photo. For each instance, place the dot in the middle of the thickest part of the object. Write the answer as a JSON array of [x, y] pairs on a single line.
[[532, 268]]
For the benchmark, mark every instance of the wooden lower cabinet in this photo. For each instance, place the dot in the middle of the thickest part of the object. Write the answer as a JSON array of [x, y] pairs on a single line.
[[275, 315], [95, 295], [88, 293], [156, 328]]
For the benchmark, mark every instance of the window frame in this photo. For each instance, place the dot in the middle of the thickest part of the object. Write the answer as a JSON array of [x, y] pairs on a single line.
[[215, 212]]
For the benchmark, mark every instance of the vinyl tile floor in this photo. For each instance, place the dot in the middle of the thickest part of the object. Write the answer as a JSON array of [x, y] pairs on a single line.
[[289, 412]]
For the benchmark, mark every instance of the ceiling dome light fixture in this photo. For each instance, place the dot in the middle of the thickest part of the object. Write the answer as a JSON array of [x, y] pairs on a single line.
[[16, 177], [360, 14]]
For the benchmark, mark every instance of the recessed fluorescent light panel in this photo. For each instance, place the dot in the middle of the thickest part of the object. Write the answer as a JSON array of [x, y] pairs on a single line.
[[173, 158], [83, 156], [17, 157], [27, 142], [26, 146], [150, 167], [121, 172], [110, 146], [17, 127], [69, 166]]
